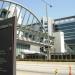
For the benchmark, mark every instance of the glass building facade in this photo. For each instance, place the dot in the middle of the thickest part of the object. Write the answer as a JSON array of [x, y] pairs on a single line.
[[20, 47], [67, 25]]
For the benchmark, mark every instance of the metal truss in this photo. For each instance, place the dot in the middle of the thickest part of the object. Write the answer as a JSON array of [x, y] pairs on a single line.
[[28, 25]]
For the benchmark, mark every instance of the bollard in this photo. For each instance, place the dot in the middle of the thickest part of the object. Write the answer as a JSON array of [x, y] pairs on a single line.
[[70, 73]]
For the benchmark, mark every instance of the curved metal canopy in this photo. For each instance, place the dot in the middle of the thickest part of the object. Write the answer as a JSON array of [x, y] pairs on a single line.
[[28, 25], [21, 9]]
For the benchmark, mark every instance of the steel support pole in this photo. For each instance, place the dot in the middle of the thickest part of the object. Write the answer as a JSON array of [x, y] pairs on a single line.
[[48, 51]]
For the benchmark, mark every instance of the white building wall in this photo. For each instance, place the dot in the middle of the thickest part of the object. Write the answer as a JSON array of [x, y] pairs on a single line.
[[35, 48], [48, 27], [59, 42]]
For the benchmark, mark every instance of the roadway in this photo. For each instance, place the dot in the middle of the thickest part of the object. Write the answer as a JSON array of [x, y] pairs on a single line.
[[44, 68]]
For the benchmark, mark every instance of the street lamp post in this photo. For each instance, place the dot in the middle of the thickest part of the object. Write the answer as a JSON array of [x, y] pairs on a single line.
[[48, 51], [47, 4]]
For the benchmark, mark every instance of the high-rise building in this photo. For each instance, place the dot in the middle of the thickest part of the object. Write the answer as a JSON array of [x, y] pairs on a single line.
[[48, 25], [67, 25]]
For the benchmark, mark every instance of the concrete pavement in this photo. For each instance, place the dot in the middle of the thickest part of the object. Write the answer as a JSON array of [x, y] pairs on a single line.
[[44, 68]]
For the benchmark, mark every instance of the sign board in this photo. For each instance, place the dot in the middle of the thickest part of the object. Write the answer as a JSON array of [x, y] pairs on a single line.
[[8, 46]]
